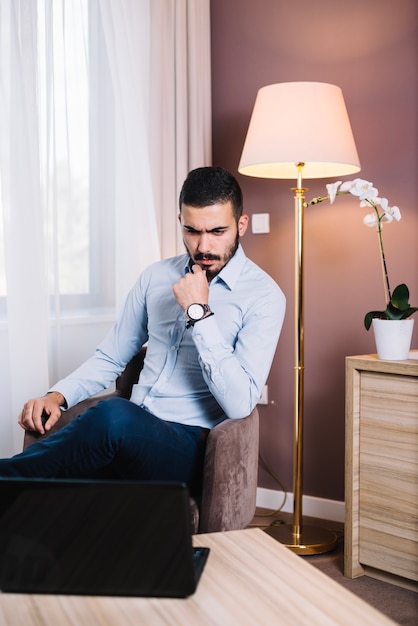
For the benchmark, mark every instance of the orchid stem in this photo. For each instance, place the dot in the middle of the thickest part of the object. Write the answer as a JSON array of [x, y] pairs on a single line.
[[386, 284]]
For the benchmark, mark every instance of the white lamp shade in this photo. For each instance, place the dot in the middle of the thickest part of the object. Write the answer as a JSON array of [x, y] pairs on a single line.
[[299, 122]]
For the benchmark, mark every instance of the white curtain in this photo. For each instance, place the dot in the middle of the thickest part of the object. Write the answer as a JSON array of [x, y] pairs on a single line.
[[181, 124], [104, 108]]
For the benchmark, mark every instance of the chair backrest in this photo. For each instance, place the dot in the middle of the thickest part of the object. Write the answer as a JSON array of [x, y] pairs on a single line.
[[130, 375]]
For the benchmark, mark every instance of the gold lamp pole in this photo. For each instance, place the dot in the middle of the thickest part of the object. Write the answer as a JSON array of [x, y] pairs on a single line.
[[299, 537], [299, 360], [291, 121]]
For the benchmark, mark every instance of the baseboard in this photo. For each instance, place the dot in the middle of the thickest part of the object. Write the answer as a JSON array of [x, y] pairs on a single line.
[[322, 508]]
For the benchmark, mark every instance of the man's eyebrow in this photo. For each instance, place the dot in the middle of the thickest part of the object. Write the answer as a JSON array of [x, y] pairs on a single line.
[[216, 229]]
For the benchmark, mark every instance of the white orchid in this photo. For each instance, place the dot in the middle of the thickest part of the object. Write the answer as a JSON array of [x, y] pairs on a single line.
[[332, 189], [388, 213], [368, 196], [370, 220], [397, 303], [391, 212], [361, 188]]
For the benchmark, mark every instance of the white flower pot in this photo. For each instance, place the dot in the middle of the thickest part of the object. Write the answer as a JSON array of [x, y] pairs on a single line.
[[393, 338]]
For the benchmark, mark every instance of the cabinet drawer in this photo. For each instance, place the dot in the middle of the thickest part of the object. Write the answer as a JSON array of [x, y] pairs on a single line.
[[388, 466], [381, 525]]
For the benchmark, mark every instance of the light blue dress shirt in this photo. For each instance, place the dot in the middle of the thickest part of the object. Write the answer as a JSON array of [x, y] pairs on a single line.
[[196, 375]]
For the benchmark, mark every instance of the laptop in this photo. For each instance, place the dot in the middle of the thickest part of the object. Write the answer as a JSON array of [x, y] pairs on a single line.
[[98, 538]]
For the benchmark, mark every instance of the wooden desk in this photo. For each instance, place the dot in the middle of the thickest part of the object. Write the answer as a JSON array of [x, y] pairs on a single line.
[[249, 579], [381, 481]]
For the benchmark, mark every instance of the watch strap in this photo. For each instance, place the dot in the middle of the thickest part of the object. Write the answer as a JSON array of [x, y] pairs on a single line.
[[191, 323]]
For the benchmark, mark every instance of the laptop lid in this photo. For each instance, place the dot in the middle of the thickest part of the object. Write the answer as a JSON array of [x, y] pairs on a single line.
[[96, 538]]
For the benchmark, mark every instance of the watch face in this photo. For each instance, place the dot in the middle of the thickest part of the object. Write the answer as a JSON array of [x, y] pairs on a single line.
[[195, 311]]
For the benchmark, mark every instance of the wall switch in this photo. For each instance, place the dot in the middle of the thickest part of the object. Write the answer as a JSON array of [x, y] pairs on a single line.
[[260, 223], [264, 398]]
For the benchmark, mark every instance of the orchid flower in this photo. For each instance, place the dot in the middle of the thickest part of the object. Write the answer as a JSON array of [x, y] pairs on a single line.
[[391, 213], [397, 303], [361, 188], [332, 189]]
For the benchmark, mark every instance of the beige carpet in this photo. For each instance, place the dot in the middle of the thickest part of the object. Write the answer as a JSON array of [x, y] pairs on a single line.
[[401, 605]]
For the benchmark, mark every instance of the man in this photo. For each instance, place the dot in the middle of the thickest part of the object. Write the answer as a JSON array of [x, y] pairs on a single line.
[[212, 320]]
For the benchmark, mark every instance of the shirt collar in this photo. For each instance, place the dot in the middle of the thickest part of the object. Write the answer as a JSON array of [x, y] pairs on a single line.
[[230, 273]]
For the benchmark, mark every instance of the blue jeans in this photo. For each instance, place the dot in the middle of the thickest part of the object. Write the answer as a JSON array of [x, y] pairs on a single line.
[[116, 439]]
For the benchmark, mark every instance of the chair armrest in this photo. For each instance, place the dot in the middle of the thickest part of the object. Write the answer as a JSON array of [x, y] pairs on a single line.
[[124, 386], [66, 417], [230, 475]]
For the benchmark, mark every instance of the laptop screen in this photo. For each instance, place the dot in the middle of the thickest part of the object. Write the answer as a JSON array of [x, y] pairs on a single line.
[[96, 537]]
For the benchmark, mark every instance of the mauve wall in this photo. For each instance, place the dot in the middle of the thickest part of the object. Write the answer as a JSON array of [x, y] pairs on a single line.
[[370, 49]]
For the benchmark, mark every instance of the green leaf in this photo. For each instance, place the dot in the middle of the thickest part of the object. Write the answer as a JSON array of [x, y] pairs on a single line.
[[400, 297], [393, 313], [409, 311], [370, 315], [397, 309]]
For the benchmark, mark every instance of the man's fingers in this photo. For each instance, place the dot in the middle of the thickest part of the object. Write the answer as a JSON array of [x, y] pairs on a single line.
[[34, 417], [41, 414], [52, 419], [27, 417]]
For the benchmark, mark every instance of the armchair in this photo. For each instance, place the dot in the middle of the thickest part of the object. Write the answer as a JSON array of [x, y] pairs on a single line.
[[229, 489]]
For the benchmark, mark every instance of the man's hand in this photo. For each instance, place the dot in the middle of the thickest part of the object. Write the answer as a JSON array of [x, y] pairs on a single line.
[[193, 287], [34, 412]]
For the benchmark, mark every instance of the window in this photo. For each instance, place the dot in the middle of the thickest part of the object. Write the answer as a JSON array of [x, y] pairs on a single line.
[[75, 135], [78, 154]]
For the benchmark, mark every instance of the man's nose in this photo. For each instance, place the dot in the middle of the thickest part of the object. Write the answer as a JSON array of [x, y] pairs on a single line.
[[204, 243]]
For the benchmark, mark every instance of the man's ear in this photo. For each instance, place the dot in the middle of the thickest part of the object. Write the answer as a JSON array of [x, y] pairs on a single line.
[[242, 225]]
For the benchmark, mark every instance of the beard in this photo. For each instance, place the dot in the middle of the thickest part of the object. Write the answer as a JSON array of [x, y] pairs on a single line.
[[224, 258]]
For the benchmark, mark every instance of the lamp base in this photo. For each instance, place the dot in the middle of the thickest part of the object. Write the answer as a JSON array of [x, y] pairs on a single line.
[[312, 539]]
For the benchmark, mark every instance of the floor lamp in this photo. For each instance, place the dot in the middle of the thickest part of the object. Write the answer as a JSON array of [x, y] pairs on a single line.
[[299, 129]]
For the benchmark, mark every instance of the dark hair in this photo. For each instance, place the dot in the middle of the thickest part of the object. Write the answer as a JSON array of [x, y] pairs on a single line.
[[205, 186]]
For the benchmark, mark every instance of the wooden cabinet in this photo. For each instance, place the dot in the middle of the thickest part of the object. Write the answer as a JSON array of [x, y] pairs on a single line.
[[381, 464]]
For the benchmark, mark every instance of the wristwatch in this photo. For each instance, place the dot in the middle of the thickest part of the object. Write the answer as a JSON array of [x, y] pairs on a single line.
[[196, 312]]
